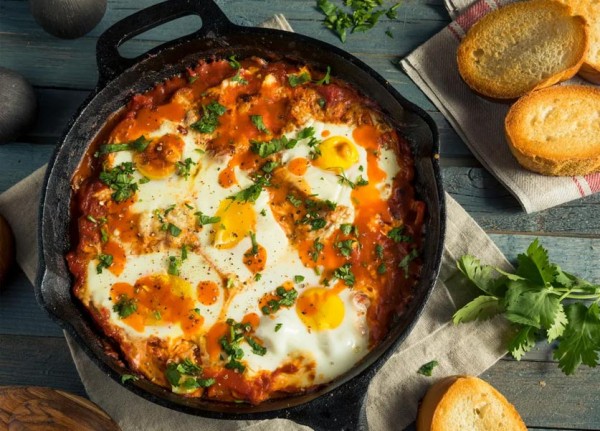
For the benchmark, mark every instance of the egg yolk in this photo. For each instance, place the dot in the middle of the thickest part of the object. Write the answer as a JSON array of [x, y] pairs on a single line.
[[320, 309], [338, 153], [159, 299], [238, 219], [159, 159]]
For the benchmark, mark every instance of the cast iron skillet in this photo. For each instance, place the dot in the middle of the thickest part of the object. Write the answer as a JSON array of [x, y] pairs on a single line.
[[338, 404]]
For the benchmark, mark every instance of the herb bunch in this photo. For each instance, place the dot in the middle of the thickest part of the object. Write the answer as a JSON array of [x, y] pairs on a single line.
[[363, 15], [539, 299]]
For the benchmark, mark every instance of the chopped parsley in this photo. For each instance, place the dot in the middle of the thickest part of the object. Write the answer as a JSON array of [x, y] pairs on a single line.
[[406, 260], [257, 348], [127, 377], [254, 250], [234, 63], [278, 327], [379, 251], [325, 79], [103, 235], [362, 16], [294, 200], [266, 148], [257, 276], [104, 261], [427, 369], [269, 166], [238, 78], [298, 278], [348, 228], [345, 274], [257, 120], [173, 230], [344, 180], [345, 247], [298, 79], [174, 265], [396, 235], [316, 249], [120, 180], [184, 168], [382, 268], [285, 298], [203, 219], [125, 306], [139, 145], [251, 193], [210, 117], [230, 344], [185, 375], [184, 252]]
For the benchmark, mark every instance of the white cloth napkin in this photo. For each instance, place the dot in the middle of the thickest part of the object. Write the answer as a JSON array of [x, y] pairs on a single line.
[[479, 122], [395, 391]]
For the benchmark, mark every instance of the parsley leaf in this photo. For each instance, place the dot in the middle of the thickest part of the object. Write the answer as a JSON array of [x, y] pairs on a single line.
[[266, 148], [299, 79], [581, 341], [125, 306], [316, 249], [406, 260], [257, 120], [234, 63], [285, 298], [138, 145], [210, 117], [396, 235], [326, 77], [345, 274], [202, 219], [184, 168], [127, 377], [174, 265], [104, 261], [251, 193], [184, 374], [427, 369], [345, 247]]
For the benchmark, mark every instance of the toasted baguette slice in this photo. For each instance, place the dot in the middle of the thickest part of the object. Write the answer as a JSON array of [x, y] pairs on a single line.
[[556, 131], [590, 10], [465, 403], [522, 47]]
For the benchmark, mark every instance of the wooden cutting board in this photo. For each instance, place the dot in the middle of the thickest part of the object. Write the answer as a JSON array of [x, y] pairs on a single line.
[[28, 408]]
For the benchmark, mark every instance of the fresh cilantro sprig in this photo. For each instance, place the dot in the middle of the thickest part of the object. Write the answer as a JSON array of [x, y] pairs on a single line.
[[285, 298], [532, 299]]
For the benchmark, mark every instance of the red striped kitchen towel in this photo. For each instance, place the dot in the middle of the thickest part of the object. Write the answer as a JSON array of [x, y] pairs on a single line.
[[480, 123]]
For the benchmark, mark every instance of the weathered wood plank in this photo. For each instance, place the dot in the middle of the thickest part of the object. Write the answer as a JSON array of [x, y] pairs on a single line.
[[18, 160], [545, 397], [38, 361], [496, 210], [21, 314]]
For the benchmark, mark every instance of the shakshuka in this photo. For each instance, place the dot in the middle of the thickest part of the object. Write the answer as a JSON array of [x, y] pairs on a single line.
[[246, 230]]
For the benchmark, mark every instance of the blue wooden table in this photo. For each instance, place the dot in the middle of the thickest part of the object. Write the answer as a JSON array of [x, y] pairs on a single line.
[[32, 348]]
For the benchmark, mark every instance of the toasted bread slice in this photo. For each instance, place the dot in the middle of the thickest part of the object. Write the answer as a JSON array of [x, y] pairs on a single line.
[[590, 10], [522, 47], [556, 131], [465, 403]]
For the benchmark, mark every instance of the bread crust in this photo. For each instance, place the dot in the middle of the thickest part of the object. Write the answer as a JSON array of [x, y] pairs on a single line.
[[505, 76], [548, 146], [438, 411]]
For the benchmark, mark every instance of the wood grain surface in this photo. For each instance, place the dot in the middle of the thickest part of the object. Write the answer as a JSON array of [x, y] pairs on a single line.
[[33, 350], [39, 409]]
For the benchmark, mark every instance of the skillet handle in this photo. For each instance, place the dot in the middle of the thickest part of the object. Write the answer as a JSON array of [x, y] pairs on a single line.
[[343, 409], [111, 63]]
